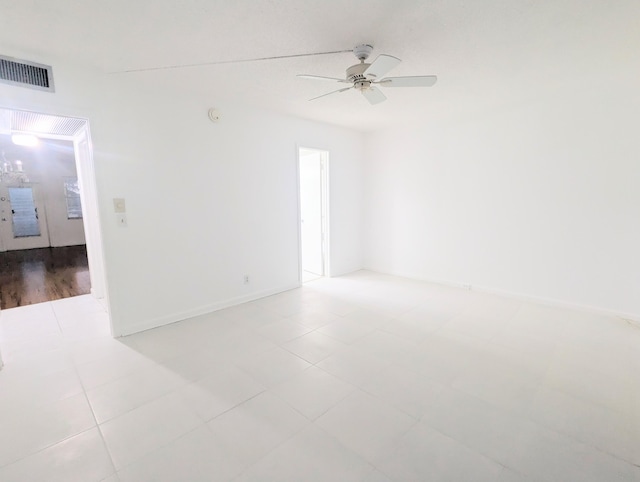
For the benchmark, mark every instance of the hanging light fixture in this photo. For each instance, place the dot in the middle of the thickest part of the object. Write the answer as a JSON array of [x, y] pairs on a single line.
[[26, 140], [12, 172]]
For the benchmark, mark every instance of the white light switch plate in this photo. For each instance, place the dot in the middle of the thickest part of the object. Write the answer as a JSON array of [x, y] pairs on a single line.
[[119, 205]]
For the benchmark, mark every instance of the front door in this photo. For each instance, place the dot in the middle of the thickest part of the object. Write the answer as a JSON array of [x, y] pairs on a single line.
[[23, 223]]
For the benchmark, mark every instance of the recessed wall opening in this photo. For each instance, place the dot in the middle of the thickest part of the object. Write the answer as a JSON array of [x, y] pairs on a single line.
[[313, 168]]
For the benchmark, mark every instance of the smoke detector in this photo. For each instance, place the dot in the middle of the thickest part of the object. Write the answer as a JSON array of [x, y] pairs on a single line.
[[214, 115]]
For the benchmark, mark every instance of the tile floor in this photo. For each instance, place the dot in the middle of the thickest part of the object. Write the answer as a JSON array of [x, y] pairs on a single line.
[[309, 276], [361, 378]]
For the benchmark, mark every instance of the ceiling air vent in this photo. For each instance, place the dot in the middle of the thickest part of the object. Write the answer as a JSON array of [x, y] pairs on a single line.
[[32, 122], [26, 74]]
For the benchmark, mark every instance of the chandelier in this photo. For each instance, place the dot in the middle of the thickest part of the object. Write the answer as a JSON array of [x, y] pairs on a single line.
[[12, 172]]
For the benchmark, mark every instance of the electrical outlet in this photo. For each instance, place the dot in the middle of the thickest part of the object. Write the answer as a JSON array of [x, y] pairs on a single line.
[[467, 287], [246, 279]]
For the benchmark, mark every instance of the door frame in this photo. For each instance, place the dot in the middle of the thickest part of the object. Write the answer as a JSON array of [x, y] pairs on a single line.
[[325, 208], [85, 167]]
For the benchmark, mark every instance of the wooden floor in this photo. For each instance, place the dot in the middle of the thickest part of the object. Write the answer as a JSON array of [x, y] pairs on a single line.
[[37, 275]]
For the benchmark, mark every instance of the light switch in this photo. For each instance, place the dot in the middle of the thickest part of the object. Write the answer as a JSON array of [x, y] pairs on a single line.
[[121, 219], [119, 205]]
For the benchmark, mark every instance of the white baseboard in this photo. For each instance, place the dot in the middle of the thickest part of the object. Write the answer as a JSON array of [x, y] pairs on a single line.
[[558, 303], [203, 310], [635, 318]]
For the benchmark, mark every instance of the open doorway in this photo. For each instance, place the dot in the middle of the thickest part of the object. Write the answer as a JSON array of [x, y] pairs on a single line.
[[313, 168], [50, 245], [43, 255]]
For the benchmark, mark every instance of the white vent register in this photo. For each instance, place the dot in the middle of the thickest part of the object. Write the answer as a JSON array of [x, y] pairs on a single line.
[[24, 73]]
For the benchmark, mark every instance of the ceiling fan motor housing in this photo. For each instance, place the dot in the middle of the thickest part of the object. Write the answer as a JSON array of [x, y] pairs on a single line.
[[365, 77], [356, 72]]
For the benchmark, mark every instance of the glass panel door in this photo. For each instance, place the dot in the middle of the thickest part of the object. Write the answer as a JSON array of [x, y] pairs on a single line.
[[24, 213], [23, 223]]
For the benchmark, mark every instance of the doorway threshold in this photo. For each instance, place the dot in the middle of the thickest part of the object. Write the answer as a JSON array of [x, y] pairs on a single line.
[[308, 276]]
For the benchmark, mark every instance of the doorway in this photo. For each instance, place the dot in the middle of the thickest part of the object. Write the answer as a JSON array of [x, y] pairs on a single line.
[[48, 209], [313, 168]]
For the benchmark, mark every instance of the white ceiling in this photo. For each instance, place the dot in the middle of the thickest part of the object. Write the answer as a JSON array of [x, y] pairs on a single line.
[[485, 52]]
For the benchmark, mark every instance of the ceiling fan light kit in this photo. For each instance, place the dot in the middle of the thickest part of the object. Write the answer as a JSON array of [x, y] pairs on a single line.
[[363, 51], [364, 76]]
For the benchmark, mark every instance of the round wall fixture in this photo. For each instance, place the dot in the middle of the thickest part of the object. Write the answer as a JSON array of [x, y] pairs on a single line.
[[214, 115]]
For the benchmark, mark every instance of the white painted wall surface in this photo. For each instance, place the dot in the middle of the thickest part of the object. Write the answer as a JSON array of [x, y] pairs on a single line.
[[60, 165], [538, 196], [55, 163], [206, 203]]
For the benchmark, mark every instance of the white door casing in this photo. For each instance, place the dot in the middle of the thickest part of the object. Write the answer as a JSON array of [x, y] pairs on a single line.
[[89, 199]]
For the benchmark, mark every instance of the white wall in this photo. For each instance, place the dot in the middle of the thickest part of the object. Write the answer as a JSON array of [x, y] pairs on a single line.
[[539, 197], [206, 203], [59, 164]]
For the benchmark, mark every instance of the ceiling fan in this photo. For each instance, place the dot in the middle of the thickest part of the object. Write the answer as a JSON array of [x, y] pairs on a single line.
[[366, 77]]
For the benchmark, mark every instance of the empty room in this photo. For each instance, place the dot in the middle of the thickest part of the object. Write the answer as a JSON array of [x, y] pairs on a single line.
[[325, 241]]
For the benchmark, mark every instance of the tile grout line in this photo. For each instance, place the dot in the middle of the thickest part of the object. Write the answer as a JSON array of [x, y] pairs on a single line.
[[47, 447], [97, 426], [55, 315], [84, 392]]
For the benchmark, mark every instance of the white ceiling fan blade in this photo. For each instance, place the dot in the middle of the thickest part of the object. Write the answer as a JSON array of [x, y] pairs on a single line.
[[381, 65], [373, 95], [320, 77], [334, 92], [414, 81]]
